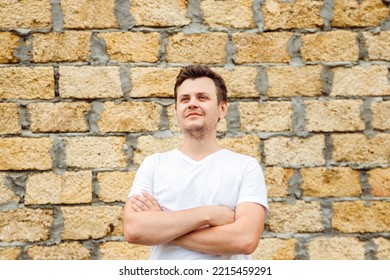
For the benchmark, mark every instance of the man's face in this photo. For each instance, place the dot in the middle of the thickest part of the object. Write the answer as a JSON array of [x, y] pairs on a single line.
[[197, 108]]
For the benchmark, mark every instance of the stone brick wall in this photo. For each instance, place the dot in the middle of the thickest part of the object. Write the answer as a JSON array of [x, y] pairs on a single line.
[[86, 93]]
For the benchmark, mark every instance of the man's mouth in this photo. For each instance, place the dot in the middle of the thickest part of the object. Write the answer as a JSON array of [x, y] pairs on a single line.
[[193, 114]]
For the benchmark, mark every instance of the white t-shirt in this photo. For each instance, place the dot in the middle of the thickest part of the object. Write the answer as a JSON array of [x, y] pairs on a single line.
[[177, 182]]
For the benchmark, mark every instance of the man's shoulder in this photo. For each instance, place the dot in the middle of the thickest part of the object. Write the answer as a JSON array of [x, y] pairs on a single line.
[[238, 156]]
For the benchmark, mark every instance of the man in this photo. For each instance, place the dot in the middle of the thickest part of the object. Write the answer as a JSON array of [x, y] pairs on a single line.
[[199, 201]]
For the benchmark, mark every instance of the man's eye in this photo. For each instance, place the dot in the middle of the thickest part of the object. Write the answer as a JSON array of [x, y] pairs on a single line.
[[203, 97], [184, 99]]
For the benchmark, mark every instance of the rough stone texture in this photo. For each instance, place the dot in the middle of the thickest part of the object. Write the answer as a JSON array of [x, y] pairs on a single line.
[[8, 43], [358, 148], [275, 249], [240, 81], [25, 224], [96, 152], [9, 116], [51, 188], [225, 13], [299, 217], [87, 14], [25, 153], [381, 115], [276, 180], [123, 251], [265, 47], [84, 222], [383, 248], [26, 83], [148, 145], [336, 248], [25, 14], [334, 182], [265, 116], [62, 251], [129, 117], [7, 194], [297, 81], [292, 151], [334, 115], [288, 15], [58, 117], [68, 46], [330, 46], [153, 81], [360, 81], [247, 144], [378, 45], [115, 186], [132, 46], [90, 82], [9, 253], [159, 13], [201, 48], [379, 180], [351, 13], [360, 216], [174, 126]]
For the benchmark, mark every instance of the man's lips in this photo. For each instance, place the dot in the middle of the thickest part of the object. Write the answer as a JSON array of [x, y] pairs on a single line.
[[193, 114]]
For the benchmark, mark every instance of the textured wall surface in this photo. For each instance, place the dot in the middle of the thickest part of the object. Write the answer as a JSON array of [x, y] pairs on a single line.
[[86, 92]]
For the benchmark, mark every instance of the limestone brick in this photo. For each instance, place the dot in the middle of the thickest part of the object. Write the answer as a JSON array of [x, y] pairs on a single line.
[[333, 182], [381, 115], [336, 248], [247, 144], [275, 249], [378, 45], [8, 43], [159, 13], [96, 152], [84, 222], [201, 48], [51, 188], [294, 150], [26, 83], [288, 81], [58, 117], [351, 13], [123, 251], [265, 47], [132, 46], [265, 116], [9, 116], [153, 81], [334, 115], [330, 46], [90, 82], [299, 217], [379, 180], [25, 153], [7, 194], [383, 248], [288, 15], [62, 251], [69, 46], [27, 14], [361, 217], [360, 81], [129, 117], [115, 186], [25, 224], [225, 13], [357, 148], [276, 180], [86, 14], [9, 253]]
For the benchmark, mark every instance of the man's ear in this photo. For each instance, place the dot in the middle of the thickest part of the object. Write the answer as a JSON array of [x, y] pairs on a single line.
[[223, 109]]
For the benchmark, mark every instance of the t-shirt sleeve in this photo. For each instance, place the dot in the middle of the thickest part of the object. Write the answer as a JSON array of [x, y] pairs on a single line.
[[144, 178], [253, 187]]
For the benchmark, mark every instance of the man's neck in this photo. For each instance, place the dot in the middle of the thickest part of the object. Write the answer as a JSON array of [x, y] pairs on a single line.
[[198, 149]]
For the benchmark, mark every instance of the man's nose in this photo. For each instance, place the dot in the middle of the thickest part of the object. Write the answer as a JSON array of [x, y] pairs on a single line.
[[193, 102]]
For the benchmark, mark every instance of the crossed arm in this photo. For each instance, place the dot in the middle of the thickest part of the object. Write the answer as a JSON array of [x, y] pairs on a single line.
[[208, 229]]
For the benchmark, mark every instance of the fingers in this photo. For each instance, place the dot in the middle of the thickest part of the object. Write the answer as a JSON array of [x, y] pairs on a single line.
[[144, 202], [152, 200]]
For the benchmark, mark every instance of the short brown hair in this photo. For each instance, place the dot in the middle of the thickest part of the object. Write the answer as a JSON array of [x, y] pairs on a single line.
[[199, 71]]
